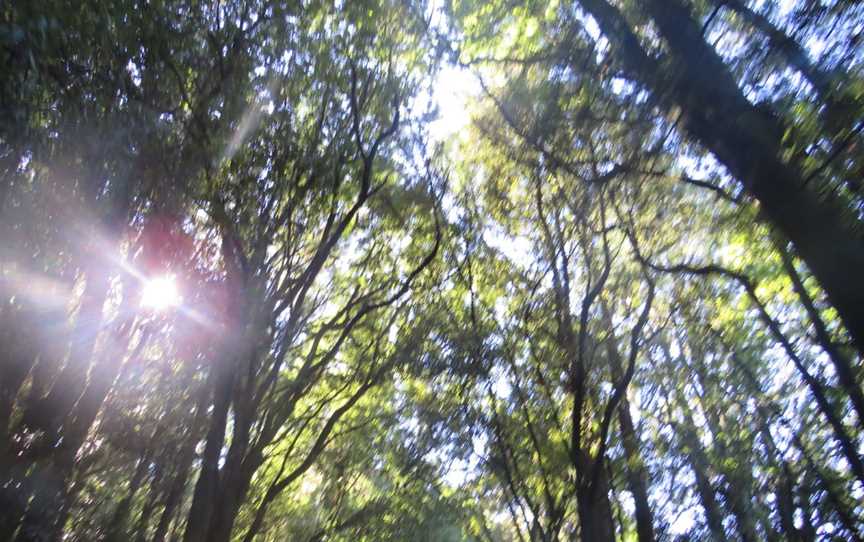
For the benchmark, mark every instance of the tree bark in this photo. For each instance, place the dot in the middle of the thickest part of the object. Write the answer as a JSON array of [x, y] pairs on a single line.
[[737, 484], [175, 493], [595, 510], [748, 142], [843, 366], [14, 367], [692, 448], [207, 487], [41, 521], [785, 495], [180, 475], [637, 475]]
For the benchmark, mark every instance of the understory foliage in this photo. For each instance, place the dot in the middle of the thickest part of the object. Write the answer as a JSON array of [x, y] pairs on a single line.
[[251, 288]]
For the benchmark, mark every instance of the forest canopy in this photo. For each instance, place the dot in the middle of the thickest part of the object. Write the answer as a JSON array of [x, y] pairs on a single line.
[[431, 270]]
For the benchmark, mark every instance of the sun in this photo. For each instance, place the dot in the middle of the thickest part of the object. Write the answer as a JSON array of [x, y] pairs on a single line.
[[160, 293]]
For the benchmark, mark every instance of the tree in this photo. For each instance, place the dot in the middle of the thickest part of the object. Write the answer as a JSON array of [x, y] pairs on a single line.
[[249, 291]]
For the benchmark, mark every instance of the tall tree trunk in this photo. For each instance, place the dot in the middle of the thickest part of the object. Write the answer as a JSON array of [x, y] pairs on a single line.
[[785, 496], [15, 364], [47, 367], [696, 455], [595, 510], [63, 458], [240, 465], [741, 506], [808, 530], [41, 522], [707, 496], [207, 487], [637, 474], [231, 496], [841, 110], [181, 472], [175, 492], [224, 379], [738, 479], [784, 485], [843, 365], [748, 142]]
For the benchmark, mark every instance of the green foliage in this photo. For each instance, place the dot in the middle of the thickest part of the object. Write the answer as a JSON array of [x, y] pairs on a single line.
[[572, 321]]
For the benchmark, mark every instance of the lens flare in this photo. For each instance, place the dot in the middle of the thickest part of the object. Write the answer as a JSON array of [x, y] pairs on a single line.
[[160, 293]]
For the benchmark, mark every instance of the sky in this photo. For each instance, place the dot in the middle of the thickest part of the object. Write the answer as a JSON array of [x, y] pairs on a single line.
[[453, 88]]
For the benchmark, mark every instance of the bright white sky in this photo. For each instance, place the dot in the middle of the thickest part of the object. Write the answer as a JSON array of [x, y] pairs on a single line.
[[452, 91]]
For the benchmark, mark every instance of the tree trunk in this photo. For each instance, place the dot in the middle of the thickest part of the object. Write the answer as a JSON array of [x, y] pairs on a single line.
[[843, 365], [175, 492], [231, 497], [240, 465], [737, 480], [75, 431], [785, 495], [207, 488], [47, 367], [808, 530], [637, 475], [700, 463], [181, 471], [841, 110], [748, 142], [595, 510], [13, 502], [13, 371]]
